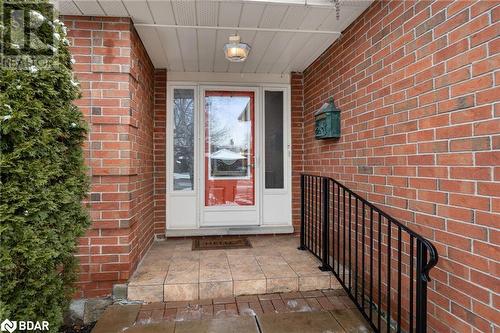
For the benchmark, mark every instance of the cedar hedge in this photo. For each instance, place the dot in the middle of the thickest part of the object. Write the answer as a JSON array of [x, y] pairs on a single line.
[[42, 180]]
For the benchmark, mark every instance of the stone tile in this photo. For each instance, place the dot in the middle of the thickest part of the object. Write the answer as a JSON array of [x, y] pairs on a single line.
[[281, 285], [222, 325], [313, 282], [116, 318], [212, 253], [215, 275], [246, 252], [184, 246], [151, 263], [144, 293], [142, 277], [242, 259], [304, 269], [183, 272], [249, 287], [300, 257], [243, 272], [160, 327], [185, 255], [216, 289], [261, 251], [212, 271], [298, 322], [180, 292], [278, 271], [270, 260]]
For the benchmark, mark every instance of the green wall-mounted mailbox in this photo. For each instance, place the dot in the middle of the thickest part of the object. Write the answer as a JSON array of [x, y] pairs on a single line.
[[327, 121]]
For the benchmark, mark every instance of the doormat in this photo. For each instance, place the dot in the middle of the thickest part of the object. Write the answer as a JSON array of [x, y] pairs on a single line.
[[221, 243]]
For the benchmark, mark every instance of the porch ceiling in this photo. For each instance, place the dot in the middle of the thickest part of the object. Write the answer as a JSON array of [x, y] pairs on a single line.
[[189, 35]]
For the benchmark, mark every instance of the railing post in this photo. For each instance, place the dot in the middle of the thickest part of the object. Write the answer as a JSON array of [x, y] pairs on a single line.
[[302, 214], [421, 289], [325, 228]]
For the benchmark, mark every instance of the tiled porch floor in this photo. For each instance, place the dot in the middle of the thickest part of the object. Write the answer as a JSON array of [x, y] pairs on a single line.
[[171, 271]]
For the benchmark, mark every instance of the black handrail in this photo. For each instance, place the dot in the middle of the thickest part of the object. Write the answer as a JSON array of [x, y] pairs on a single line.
[[403, 258]]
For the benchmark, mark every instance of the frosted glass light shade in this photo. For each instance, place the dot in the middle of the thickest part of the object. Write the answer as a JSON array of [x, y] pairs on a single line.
[[236, 51]]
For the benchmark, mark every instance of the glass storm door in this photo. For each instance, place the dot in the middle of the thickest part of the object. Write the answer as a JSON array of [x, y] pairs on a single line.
[[229, 158]]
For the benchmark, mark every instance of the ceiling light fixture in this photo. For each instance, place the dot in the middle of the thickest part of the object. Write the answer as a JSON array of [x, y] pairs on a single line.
[[236, 51]]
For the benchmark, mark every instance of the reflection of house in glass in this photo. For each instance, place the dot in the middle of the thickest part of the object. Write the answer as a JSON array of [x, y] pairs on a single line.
[[229, 151], [226, 162]]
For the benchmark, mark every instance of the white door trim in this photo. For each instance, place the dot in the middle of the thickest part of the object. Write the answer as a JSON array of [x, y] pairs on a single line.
[[196, 198]]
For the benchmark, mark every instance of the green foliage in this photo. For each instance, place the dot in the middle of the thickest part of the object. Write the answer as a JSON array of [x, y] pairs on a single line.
[[42, 183]]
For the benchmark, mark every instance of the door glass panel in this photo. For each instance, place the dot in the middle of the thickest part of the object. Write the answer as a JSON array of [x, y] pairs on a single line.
[[229, 148], [273, 109], [183, 139]]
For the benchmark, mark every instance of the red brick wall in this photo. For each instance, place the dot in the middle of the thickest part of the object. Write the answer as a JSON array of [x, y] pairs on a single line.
[[116, 78], [160, 147], [417, 83]]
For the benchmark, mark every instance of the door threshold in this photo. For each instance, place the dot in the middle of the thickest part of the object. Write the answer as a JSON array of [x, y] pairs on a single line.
[[219, 231]]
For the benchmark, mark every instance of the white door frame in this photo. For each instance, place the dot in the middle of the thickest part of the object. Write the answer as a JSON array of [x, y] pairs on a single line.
[[188, 221]]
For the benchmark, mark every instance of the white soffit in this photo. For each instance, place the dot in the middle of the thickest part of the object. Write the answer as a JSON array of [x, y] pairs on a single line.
[[189, 35]]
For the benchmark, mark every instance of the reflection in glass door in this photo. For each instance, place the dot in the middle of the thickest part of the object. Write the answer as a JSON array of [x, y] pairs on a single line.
[[229, 148]]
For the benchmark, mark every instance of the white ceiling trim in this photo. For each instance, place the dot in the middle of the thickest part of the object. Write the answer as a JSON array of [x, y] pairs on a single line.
[[328, 32], [228, 78]]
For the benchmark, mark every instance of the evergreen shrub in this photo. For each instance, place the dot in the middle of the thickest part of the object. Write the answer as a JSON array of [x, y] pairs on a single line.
[[42, 177]]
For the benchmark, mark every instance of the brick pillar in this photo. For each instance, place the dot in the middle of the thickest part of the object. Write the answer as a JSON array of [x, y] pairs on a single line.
[[116, 78]]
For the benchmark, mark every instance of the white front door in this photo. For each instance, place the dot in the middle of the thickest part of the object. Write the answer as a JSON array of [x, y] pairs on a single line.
[[228, 159], [230, 169]]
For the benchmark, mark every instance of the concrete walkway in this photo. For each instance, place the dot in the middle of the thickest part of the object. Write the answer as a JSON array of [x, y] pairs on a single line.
[[327, 311]]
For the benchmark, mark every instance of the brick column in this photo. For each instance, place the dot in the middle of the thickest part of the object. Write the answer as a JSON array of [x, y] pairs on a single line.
[[116, 78]]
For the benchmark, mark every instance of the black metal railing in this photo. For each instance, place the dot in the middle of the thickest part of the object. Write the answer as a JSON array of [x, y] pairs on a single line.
[[381, 263]]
